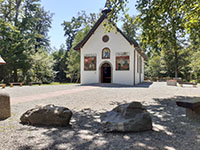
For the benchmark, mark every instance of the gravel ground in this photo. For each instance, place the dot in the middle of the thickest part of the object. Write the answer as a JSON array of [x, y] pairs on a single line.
[[172, 130]]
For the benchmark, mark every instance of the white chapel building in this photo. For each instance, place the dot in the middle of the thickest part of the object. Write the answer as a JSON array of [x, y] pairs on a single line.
[[110, 57]]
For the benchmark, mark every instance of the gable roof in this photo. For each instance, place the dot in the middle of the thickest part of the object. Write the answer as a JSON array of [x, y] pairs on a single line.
[[100, 20]]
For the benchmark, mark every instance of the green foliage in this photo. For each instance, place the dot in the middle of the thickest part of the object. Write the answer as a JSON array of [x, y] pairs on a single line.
[[24, 29], [161, 23], [169, 29], [76, 24], [195, 65], [165, 26], [13, 50], [42, 68], [75, 31], [191, 9], [129, 28], [73, 60], [118, 7], [154, 66], [60, 65]]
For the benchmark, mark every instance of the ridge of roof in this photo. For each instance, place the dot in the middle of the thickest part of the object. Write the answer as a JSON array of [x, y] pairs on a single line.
[[86, 38], [96, 25]]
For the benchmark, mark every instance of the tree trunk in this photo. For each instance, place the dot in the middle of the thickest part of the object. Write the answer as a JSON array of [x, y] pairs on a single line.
[[15, 76], [175, 46], [17, 3], [176, 64]]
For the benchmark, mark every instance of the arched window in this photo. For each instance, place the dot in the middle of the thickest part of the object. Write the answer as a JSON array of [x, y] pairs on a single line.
[[106, 53]]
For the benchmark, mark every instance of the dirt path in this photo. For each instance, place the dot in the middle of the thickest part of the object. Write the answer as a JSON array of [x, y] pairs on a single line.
[[172, 130], [47, 95]]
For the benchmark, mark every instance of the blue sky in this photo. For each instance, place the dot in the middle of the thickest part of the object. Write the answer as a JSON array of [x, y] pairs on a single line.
[[64, 10]]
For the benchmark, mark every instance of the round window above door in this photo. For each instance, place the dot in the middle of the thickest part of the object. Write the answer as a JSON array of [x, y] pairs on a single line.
[[105, 38]]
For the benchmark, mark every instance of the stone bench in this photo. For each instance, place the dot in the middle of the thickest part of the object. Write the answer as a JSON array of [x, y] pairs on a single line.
[[192, 108], [4, 106], [188, 83], [172, 82]]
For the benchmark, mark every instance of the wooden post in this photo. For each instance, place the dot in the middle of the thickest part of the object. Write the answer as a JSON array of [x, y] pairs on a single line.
[[3, 86], [11, 84], [5, 111]]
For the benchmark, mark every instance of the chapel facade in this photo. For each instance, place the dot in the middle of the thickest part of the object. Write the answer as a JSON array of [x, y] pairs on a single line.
[[110, 57]]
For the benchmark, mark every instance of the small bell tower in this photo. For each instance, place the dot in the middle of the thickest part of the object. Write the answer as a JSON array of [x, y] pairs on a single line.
[[107, 7]]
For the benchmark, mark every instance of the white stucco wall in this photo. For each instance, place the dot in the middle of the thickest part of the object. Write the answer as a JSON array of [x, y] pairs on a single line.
[[139, 75], [142, 74], [136, 72], [117, 43]]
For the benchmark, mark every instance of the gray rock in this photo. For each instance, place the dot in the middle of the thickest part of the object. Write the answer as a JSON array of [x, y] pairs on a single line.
[[48, 115], [132, 117]]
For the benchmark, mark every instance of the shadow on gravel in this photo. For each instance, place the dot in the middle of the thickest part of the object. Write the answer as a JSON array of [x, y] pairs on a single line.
[[26, 147], [172, 130], [4, 119], [112, 85], [144, 85]]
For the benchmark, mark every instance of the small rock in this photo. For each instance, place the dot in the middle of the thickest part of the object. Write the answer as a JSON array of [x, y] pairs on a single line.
[[48, 115], [132, 117]]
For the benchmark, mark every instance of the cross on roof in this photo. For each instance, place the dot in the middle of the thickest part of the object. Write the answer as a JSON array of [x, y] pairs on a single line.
[[107, 7]]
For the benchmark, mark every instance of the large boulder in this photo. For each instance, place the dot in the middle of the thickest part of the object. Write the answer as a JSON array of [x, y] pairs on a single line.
[[48, 115], [132, 117]]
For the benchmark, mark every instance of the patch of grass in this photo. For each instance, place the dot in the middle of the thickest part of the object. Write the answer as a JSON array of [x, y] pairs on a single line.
[[58, 83]]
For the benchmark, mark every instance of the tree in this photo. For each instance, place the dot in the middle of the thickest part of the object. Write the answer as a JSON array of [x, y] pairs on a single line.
[[42, 68], [76, 24], [60, 65], [129, 28], [162, 23], [75, 31], [41, 27], [155, 67], [23, 27], [165, 26], [73, 60], [117, 7], [195, 65], [191, 11]]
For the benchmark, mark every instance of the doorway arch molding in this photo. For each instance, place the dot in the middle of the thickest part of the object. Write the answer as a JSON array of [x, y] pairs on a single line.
[[100, 71]]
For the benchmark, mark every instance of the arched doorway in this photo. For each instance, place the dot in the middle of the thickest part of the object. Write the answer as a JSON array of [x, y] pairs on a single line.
[[106, 73]]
